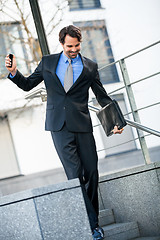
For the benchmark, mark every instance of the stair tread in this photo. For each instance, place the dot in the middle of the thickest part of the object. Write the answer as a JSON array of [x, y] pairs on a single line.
[[120, 225], [117, 228], [117, 231]]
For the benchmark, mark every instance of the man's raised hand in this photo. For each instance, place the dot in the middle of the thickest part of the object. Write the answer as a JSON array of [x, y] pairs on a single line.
[[12, 69]]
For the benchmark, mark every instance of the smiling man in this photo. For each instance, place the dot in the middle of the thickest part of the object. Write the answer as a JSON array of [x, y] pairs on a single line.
[[68, 76]]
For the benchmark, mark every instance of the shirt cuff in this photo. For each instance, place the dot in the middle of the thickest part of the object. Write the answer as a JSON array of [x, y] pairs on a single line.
[[11, 76]]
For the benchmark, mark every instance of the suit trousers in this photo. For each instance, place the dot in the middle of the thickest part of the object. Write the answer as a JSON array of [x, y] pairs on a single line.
[[77, 152]]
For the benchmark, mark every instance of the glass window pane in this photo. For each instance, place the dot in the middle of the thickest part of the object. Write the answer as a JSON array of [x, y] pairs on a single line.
[[11, 41], [96, 46], [82, 4]]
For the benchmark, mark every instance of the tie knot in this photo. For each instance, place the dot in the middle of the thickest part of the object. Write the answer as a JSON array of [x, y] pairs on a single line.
[[69, 60]]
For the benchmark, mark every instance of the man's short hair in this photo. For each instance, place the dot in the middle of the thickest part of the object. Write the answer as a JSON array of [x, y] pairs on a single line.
[[72, 31]]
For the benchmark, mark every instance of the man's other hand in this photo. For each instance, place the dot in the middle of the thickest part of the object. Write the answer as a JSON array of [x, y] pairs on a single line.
[[12, 69], [116, 130]]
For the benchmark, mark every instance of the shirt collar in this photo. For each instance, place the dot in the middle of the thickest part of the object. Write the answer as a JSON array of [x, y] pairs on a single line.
[[65, 58]]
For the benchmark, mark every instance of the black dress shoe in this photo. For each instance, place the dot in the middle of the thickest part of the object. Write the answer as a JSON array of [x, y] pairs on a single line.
[[101, 231], [98, 233]]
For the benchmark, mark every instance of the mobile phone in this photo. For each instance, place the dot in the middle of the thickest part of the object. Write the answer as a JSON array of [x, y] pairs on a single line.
[[11, 57]]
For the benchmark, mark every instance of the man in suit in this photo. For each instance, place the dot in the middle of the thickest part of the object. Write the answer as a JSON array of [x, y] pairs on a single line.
[[67, 114]]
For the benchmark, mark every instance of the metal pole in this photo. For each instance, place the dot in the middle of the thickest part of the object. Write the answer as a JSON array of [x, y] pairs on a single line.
[[134, 110], [39, 26]]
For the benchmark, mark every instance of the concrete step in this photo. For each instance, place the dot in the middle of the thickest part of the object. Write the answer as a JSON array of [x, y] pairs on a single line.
[[106, 217], [147, 238], [121, 231]]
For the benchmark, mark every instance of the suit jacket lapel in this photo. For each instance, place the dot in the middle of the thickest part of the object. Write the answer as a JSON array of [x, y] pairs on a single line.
[[52, 68]]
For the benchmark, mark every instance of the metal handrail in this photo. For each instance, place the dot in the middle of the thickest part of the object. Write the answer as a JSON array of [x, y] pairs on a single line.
[[120, 144], [130, 55], [137, 109], [132, 123], [132, 83], [142, 108], [142, 127], [42, 93]]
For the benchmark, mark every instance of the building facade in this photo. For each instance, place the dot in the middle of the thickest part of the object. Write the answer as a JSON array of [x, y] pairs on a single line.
[[111, 30]]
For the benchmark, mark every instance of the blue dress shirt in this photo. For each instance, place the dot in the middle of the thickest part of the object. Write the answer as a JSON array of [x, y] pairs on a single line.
[[11, 76], [62, 65]]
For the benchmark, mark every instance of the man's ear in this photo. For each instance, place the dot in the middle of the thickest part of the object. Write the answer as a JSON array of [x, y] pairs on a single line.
[[62, 45]]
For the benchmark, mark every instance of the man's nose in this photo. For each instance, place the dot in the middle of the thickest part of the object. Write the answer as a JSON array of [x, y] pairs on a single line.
[[74, 49]]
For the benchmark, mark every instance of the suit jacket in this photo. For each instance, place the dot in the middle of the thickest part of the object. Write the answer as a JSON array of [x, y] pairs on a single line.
[[70, 107]]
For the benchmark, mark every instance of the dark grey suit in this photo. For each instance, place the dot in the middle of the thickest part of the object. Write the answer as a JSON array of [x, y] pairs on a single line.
[[68, 119]]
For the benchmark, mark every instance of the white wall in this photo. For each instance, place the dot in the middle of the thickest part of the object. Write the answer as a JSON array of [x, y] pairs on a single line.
[[132, 25], [34, 146]]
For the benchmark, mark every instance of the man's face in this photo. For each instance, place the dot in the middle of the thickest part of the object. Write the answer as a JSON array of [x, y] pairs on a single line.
[[71, 46]]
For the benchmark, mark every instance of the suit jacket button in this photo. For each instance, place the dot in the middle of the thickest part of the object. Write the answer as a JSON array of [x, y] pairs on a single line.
[[64, 108]]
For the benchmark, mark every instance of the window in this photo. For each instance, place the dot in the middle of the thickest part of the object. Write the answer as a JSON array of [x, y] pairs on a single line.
[[11, 41], [96, 46], [83, 4]]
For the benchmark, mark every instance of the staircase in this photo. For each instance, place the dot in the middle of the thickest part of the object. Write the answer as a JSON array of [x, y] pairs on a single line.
[[133, 194], [119, 231]]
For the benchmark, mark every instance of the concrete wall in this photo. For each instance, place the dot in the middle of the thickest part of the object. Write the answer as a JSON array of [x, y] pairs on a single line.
[[134, 195], [45, 214]]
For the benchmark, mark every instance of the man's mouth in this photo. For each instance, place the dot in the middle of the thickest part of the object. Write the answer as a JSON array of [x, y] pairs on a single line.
[[74, 52]]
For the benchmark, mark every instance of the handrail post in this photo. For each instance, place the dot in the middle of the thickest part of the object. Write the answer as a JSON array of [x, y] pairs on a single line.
[[133, 106]]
